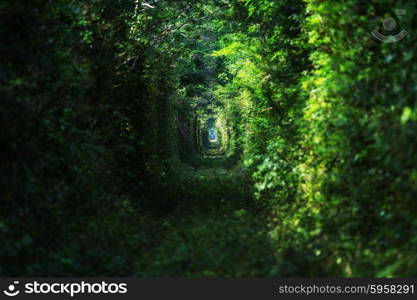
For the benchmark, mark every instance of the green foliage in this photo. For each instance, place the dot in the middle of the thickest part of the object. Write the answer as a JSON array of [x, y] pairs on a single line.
[[88, 127], [358, 174], [329, 139]]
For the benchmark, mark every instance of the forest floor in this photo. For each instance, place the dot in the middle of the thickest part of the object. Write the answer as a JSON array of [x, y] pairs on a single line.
[[218, 230]]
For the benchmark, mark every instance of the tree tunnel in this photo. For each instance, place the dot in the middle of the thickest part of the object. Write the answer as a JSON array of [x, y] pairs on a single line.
[[211, 138]]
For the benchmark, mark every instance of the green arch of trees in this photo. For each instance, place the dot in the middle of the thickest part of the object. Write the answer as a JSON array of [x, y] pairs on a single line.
[[105, 105]]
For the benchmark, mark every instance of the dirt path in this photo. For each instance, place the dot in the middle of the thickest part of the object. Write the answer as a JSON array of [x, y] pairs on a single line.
[[218, 231]]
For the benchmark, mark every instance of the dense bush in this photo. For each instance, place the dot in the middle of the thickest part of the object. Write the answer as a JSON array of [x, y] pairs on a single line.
[[359, 173], [330, 140], [86, 114]]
